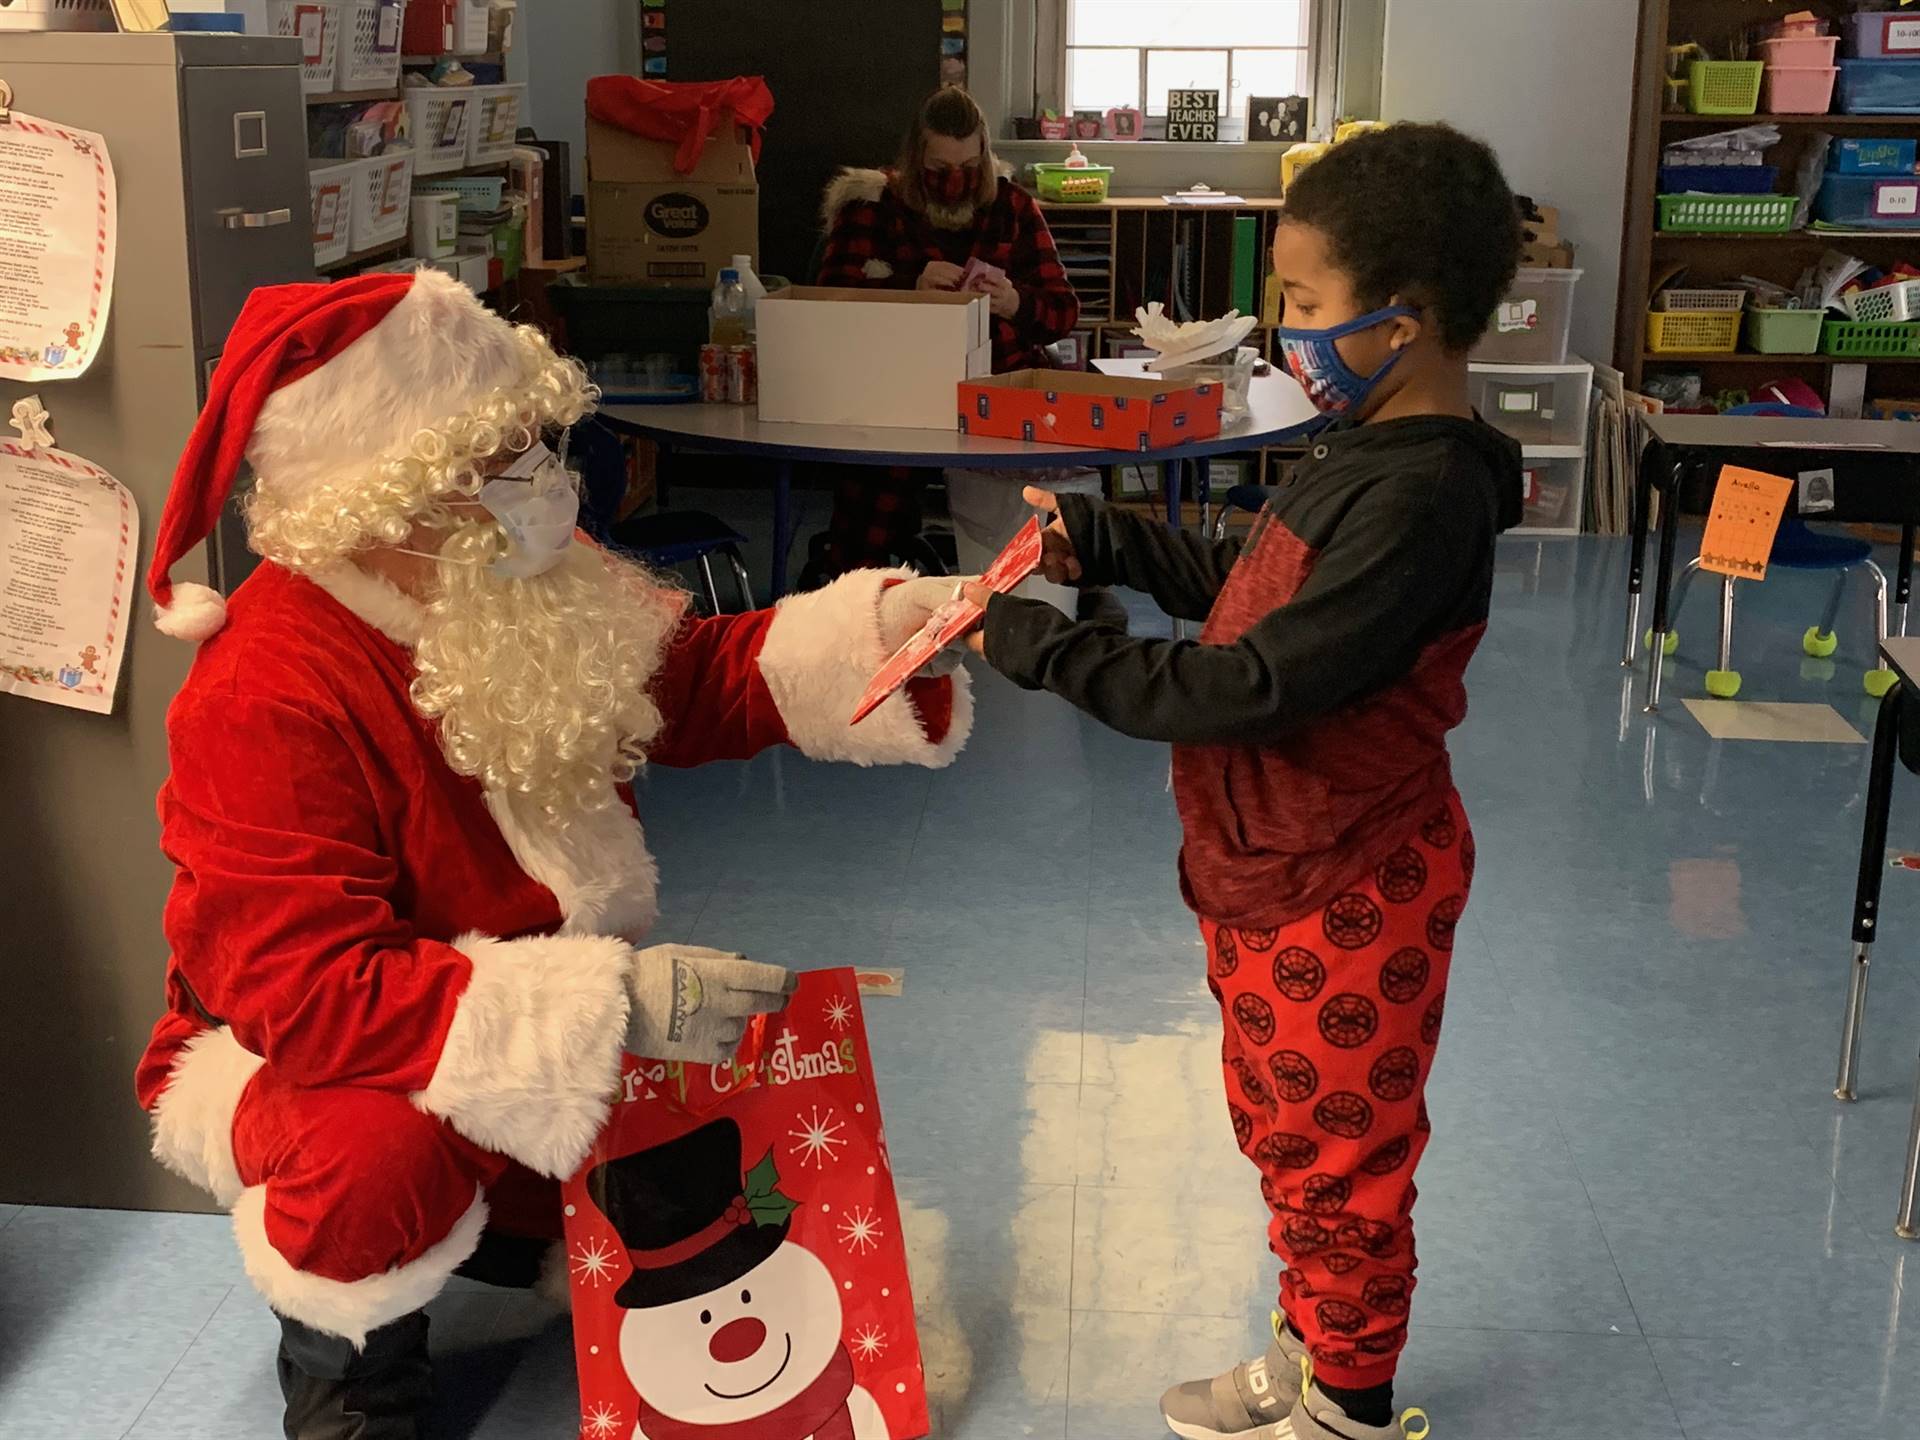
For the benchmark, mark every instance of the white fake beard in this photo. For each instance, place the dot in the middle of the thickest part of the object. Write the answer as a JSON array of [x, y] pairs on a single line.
[[951, 217], [540, 685]]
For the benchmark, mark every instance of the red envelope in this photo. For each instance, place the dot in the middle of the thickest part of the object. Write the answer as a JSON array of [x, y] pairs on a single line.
[[947, 624]]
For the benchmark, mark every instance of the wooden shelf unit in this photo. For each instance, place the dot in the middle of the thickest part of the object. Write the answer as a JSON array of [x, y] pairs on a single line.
[[1647, 252]]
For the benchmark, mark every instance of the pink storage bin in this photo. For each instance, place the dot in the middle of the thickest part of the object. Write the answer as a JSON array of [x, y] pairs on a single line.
[[1799, 92], [1884, 35], [1798, 52]]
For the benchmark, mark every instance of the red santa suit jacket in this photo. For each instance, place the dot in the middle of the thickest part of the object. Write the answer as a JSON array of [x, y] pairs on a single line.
[[349, 910]]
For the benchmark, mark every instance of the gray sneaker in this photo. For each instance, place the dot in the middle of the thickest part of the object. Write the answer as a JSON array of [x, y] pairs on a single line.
[[1255, 1397], [1315, 1417]]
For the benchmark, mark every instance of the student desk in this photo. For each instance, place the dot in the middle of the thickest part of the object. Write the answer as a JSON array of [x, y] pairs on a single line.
[[1280, 412], [1876, 465], [1896, 736]]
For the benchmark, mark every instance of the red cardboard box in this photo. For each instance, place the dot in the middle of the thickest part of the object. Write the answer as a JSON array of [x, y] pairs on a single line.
[[1106, 412]]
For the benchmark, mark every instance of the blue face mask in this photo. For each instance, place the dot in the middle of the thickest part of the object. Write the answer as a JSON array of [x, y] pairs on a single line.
[[1314, 360], [537, 506]]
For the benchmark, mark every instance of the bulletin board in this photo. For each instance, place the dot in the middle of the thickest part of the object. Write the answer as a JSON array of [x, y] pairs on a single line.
[[847, 76]]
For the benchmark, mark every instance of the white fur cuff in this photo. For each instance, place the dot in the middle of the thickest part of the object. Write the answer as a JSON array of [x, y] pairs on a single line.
[[349, 1308], [820, 652], [532, 1059], [193, 1118]]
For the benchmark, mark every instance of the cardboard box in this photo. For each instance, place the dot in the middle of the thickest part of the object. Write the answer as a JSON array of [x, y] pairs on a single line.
[[1547, 257], [869, 357], [1068, 407], [647, 225]]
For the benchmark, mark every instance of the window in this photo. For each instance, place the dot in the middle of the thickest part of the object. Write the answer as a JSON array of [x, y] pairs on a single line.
[[1114, 54]]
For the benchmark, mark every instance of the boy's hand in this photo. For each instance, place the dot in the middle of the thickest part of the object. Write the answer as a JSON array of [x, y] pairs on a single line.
[[1058, 563], [976, 638]]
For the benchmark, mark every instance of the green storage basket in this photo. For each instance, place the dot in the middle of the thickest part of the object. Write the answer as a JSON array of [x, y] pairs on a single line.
[[1072, 184], [1862, 340], [1784, 332], [1727, 214], [1724, 87]]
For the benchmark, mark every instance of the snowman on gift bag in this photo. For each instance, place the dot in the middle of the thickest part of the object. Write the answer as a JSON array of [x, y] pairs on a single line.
[[732, 1330]]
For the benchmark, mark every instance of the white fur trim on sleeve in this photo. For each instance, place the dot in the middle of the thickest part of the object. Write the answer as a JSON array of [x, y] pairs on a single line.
[[193, 1118], [349, 1308], [197, 613], [819, 654], [532, 1059]]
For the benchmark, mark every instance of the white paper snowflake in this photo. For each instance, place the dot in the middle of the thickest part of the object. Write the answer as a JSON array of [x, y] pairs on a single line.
[[600, 1423], [820, 1138], [839, 1012], [860, 1232], [593, 1261], [870, 1343]]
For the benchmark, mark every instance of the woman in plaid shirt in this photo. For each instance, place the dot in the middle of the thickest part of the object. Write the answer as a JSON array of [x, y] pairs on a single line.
[[916, 227]]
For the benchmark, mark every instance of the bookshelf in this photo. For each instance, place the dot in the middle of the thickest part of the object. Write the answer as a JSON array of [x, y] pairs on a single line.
[[1648, 253]]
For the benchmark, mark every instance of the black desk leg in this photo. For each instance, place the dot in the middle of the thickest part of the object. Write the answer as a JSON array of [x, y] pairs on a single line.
[[1171, 475], [1903, 579], [1637, 547], [1866, 893], [1663, 587], [782, 524]]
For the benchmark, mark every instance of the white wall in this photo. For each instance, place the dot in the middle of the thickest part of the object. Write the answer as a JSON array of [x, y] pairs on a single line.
[[563, 44], [1549, 83]]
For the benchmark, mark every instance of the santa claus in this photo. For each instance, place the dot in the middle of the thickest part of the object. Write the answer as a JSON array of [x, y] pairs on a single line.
[[411, 889]]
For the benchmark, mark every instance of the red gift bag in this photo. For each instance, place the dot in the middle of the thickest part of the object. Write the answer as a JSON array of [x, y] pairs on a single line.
[[734, 1245]]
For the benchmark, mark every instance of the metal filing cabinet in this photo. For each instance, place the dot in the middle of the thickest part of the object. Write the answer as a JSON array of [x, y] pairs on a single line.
[[208, 139]]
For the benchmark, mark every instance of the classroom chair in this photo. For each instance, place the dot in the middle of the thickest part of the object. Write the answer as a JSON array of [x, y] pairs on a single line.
[[1797, 547]]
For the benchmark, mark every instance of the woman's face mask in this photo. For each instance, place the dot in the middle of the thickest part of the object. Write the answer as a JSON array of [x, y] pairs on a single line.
[[537, 506], [951, 184]]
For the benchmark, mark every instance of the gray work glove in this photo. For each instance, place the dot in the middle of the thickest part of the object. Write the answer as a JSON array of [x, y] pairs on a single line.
[[905, 609], [692, 1003]]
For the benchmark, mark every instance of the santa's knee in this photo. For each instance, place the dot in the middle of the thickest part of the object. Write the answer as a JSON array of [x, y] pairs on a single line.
[[359, 1224]]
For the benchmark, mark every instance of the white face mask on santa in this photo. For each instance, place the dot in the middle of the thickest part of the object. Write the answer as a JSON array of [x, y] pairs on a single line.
[[535, 503]]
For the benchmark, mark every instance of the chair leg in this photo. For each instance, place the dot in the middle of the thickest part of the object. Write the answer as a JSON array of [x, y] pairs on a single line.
[[713, 591], [740, 578], [1879, 679], [1903, 1225], [1867, 882], [1724, 683]]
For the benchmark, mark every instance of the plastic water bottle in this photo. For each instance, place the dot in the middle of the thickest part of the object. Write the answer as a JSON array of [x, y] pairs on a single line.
[[750, 282], [727, 319]]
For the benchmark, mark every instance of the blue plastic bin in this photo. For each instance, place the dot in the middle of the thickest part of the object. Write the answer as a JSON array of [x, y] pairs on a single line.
[[1718, 179], [1860, 156], [1870, 202], [1880, 87]]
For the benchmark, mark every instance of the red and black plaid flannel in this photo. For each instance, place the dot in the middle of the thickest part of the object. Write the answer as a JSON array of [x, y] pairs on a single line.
[[1010, 233]]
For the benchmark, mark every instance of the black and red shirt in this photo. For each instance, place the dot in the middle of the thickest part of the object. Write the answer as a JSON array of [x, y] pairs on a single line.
[[876, 240], [1309, 721]]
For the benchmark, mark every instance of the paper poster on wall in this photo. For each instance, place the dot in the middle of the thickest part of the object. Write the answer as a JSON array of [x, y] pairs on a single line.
[[69, 543], [58, 235]]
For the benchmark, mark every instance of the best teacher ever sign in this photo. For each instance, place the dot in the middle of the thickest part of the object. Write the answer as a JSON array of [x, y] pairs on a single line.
[[1193, 115]]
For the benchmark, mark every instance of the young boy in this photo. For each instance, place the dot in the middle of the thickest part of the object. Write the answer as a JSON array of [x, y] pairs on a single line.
[[1326, 850]]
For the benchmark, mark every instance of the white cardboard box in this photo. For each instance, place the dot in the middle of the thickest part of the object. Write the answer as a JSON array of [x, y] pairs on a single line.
[[870, 357]]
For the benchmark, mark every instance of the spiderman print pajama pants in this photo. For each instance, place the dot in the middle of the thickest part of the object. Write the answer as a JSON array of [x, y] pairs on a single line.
[[1330, 1025]]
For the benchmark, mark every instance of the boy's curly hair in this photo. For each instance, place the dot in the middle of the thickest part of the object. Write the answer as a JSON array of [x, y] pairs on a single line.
[[1419, 211]]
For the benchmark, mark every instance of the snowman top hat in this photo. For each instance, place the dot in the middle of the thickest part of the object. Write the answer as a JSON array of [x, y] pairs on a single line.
[[689, 1220]]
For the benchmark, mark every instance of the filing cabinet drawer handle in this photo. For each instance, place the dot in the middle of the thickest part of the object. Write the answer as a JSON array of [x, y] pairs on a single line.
[[255, 219]]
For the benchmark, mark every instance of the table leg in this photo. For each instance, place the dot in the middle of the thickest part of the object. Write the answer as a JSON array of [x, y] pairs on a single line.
[[1663, 591], [1637, 548], [1866, 891], [1903, 1225], [782, 524], [1170, 477], [1903, 579]]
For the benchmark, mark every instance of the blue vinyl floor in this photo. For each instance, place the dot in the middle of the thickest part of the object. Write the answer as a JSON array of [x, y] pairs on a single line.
[[1643, 1216]]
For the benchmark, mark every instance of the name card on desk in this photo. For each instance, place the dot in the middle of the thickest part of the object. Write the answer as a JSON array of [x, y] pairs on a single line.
[[1747, 509]]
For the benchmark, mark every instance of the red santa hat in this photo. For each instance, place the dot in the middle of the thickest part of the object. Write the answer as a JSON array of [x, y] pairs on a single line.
[[318, 383]]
